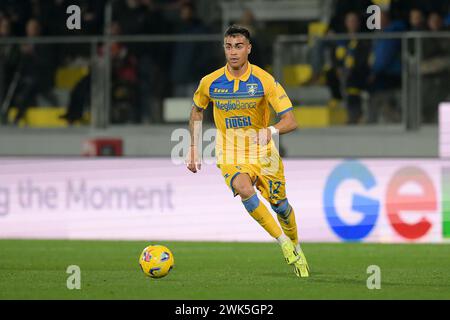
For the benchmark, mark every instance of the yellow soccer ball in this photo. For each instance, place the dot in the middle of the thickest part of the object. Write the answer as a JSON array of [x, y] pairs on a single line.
[[156, 261]]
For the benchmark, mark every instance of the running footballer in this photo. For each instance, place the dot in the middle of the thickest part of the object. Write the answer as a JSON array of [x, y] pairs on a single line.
[[241, 94]]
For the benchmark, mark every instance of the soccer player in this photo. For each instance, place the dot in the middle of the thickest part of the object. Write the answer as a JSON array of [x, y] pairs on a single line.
[[241, 94]]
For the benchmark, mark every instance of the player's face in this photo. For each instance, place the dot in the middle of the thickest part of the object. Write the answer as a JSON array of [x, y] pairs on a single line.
[[237, 49]]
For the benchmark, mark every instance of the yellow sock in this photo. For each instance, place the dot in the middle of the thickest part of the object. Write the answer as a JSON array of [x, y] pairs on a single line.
[[288, 223], [262, 215]]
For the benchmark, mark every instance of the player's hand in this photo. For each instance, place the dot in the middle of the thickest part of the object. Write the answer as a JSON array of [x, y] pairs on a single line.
[[263, 137], [192, 160]]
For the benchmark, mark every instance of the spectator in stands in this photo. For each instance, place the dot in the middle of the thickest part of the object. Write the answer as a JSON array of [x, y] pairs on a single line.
[[5, 27], [435, 22], [385, 76], [340, 10], [8, 64], [337, 25], [435, 69], [400, 9], [36, 70], [18, 12], [8, 58], [129, 15], [153, 57], [189, 58], [416, 20], [124, 81], [350, 69]]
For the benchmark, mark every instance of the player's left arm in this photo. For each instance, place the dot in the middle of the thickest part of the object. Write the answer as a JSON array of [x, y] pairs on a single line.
[[287, 123], [282, 105]]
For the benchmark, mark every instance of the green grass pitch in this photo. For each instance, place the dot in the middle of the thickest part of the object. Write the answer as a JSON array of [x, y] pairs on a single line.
[[32, 269]]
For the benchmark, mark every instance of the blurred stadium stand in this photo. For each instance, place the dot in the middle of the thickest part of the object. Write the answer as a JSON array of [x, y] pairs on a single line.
[[135, 63]]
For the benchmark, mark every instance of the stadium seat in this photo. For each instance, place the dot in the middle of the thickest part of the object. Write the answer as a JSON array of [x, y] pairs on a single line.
[[67, 77], [297, 75], [317, 28], [320, 116], [44, 117]]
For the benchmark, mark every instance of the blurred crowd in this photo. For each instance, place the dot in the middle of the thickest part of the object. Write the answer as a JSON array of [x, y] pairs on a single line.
[[375, 67], [144, 73], [141, 73]]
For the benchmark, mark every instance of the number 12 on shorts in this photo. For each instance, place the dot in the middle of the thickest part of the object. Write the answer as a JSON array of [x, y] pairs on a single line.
[[274, 187]]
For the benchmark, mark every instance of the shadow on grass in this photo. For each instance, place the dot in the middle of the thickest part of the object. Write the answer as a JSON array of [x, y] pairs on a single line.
[[384, 283], [320, 277]]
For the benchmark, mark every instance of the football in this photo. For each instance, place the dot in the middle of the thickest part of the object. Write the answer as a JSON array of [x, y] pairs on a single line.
[[156, 261]]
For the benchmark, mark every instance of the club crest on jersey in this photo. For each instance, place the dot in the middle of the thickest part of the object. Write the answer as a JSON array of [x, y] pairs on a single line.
[[252, 88]]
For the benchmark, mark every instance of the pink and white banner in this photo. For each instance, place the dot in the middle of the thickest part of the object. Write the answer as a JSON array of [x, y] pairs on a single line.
[[152, 199]]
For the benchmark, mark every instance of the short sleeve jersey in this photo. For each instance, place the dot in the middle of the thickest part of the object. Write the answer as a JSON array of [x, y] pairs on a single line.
[[241, 103]]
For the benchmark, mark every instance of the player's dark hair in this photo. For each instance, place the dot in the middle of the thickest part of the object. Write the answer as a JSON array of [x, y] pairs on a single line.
[[236, 30]]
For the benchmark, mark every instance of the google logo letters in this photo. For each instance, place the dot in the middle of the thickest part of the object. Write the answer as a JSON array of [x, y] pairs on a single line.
[[425, 202]]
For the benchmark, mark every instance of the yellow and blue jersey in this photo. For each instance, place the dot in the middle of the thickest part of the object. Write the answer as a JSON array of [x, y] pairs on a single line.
[[241, 103]]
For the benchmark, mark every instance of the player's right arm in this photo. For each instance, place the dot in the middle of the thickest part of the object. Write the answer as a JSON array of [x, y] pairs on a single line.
[[282, 105], [201, 101], [195, 122]]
